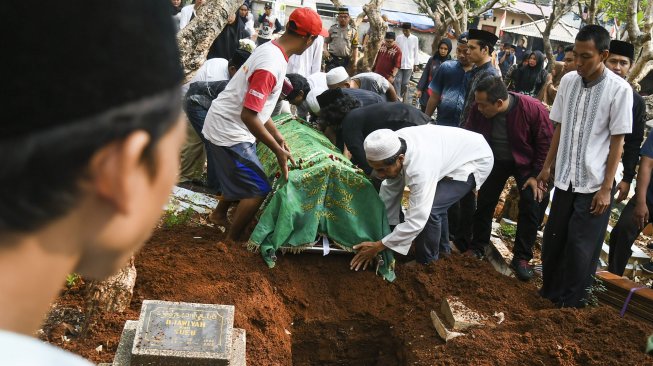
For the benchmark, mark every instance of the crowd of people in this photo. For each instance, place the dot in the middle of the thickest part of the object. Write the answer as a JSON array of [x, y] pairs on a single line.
[[574, 121], [107, 165]]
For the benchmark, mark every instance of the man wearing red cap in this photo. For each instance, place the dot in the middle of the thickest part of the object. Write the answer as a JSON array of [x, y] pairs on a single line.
[[241, 115]]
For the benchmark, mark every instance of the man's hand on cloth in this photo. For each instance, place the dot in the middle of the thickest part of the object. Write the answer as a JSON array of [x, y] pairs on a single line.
[[367, 251]]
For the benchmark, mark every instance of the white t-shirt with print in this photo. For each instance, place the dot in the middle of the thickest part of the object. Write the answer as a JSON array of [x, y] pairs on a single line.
[[589, 115], [223, 125]]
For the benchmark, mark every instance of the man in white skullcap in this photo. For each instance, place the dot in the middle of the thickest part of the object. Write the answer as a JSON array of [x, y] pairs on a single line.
[[440, 165], [337, 78]]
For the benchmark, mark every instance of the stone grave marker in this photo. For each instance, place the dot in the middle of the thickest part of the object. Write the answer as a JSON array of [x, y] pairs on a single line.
[[176, 333]]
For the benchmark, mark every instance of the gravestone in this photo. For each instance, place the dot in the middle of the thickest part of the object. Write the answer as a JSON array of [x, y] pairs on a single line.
[[175, 333]]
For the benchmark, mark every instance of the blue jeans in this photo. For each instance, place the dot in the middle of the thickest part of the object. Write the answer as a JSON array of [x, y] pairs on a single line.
[[196, 115], [429, 243]]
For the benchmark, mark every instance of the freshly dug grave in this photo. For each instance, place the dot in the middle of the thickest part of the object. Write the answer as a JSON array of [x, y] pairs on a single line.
[[312, 310]]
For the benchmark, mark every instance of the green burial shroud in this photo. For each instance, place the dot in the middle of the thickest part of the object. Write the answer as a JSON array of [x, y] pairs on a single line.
[[325, 196]]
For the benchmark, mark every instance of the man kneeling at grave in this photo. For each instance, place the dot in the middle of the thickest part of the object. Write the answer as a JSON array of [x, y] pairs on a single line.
[[84, 175], [439, 165]]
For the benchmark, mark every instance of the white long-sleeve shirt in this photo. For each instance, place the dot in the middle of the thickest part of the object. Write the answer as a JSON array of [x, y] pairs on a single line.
[[309, 62], [409, 50], [433, 153]]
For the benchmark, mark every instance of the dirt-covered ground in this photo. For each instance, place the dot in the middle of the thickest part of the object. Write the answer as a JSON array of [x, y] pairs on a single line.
[[312, 310]]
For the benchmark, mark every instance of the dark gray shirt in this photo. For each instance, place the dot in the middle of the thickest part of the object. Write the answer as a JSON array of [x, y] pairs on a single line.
[[500, 144]]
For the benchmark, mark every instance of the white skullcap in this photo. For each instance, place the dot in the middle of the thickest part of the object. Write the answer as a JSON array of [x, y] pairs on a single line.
[[381, 144], [311, 99], [247, 45], [337, 76]]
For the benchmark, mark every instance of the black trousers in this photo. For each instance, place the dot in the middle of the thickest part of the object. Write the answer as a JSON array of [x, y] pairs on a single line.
[[529, 210], [622, 238], [571, 247], [336, 61], [460, 218]]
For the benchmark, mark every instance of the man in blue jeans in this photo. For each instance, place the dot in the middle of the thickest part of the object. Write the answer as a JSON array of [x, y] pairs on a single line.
[[439, 165]]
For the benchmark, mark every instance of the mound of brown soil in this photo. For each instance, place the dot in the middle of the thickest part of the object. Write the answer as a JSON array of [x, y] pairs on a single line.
[[312, 310]]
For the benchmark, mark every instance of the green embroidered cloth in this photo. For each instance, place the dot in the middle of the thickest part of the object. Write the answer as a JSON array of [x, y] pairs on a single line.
[[325, 195]]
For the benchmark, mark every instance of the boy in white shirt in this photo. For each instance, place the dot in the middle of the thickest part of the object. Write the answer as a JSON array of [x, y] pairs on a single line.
[[592, 112], [241, 115]]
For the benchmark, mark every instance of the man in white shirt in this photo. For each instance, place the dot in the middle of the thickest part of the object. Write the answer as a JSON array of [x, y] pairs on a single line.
[[309, 62], [440, 165], [593, 112], [104, 148], [242, 114], [189, 12], [409, 45]]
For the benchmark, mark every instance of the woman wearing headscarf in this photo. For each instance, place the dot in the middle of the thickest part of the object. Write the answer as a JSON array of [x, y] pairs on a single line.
[[509, 77], [226, 44], [530, 79], [550, 89], [248, 20], [442, 54]]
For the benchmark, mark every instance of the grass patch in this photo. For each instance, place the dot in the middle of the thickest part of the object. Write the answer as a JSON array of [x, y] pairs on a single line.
[[508, 231], [173, 218], [596, 287]]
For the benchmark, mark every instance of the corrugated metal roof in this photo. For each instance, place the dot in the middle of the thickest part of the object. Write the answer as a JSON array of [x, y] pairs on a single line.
[[562, 32]]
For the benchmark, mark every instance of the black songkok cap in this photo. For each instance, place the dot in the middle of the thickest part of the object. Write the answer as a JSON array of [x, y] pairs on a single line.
[[406, 25], [343, 10], [622, 48], [482, 35], [267, 6], [390, 35], [67, 63], [329, 96]]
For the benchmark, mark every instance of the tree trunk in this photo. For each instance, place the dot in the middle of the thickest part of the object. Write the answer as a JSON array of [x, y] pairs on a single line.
[[591, 12], [558, 9], [641, 39], [111, 295], [196, 38], [642, 67], [378, 27]]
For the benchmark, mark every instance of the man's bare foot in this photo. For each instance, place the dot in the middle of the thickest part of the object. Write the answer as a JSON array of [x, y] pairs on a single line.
[[218, 220]]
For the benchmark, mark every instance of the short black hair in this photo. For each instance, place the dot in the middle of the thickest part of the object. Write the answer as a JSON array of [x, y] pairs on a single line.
[[569, 48], [299, 83], [483, 44], [402, 151], [494, 88], [596, 33], [41, 171], [238, 59], [335, 112]]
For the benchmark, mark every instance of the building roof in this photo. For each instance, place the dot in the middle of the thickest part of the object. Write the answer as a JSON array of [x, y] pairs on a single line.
[[524, 7], [562, 32]]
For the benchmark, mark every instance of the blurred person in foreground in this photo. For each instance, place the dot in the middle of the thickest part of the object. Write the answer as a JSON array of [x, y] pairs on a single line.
[[104, 145]]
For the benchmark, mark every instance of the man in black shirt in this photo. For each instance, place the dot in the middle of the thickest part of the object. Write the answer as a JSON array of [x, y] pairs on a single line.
[[335, 104], [362, 121], [619, 61]]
